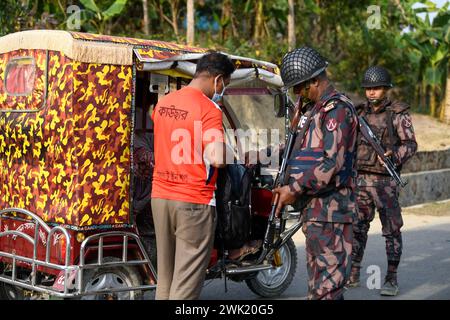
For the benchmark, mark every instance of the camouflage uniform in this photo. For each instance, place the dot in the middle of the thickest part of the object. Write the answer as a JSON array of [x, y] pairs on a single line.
[[375, 188], [322, 171]]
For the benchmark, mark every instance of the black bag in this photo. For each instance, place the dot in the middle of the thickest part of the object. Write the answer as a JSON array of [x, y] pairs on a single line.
[[233, 206]]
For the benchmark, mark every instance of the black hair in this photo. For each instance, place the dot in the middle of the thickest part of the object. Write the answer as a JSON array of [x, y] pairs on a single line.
[[215, 64], [322, 75]]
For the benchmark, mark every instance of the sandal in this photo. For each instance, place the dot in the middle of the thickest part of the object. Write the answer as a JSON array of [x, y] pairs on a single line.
[[247, 249]]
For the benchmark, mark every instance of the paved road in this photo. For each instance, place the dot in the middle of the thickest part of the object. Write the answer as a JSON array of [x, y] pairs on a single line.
[[423, 272]]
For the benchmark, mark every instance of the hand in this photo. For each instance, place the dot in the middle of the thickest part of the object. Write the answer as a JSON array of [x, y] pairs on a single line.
[[387, 154], [286, 196]]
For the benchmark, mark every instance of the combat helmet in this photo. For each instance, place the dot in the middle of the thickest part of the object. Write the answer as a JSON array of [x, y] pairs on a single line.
[[376, 76], [301, 65]]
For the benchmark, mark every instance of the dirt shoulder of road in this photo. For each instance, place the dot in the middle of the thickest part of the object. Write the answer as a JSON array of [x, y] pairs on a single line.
[[436, 209], [431, 134]]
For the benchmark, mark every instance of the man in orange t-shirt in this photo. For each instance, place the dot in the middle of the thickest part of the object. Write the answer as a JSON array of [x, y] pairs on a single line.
[[189, 146]]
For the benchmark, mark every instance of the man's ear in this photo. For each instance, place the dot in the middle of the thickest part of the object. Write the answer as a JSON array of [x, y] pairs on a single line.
[[227, 80]]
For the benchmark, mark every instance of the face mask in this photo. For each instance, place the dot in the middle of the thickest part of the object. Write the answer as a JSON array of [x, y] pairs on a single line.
[[216, 97]]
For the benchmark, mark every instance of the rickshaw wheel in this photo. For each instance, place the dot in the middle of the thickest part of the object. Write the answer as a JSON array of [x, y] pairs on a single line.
[[112, 278], [273, 282], [10, 292]]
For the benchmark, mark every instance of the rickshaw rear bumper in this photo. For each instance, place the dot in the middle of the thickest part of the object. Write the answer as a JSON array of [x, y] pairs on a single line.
[[69, 280]]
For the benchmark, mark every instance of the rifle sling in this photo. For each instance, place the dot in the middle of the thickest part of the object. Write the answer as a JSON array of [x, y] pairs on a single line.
[[390, 127], [299, 140]]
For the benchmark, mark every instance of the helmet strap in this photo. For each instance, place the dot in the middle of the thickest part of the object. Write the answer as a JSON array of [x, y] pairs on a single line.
[[377, 102]]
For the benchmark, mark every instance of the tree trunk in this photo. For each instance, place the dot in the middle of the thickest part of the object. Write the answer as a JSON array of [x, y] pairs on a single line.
[[190, 22], [174, 10], [173, 21], [423, 96], [432, 101], [234, 28], [227, 13], [291, 26], [416, 99], [259, 21], [145, 21], [445, 113], [318, 25]]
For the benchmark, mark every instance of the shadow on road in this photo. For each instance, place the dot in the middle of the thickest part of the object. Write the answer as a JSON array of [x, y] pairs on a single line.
[[423, 271]]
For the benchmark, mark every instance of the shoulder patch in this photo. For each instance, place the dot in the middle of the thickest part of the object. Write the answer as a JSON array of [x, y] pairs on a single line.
[[329, 106], [406, 123], [331, 124]]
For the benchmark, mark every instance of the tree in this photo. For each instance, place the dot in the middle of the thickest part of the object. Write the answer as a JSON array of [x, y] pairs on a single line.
[[430, 41], [96, 19], [259, 21], [174, 6], [190, 22], [414, 50], [145, 20], [446, 104], [227, 20], [291, 25]]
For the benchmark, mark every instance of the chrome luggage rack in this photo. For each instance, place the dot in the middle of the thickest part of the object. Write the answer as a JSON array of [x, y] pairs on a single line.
[[69, 289]]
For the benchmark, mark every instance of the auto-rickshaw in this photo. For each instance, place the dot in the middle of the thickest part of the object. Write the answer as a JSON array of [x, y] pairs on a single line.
[[72, 106]]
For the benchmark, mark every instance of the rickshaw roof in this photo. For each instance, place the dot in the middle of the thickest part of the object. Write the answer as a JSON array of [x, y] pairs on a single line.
[[104, 49]]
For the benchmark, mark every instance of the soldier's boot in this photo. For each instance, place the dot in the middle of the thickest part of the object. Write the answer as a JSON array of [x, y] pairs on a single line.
[[353, 280], [390, 287]]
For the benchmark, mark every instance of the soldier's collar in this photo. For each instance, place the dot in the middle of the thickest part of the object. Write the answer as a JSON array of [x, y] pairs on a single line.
[[328, 93]]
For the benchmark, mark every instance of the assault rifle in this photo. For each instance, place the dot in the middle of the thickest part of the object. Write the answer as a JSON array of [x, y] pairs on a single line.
[[280, 180], [376, 145]]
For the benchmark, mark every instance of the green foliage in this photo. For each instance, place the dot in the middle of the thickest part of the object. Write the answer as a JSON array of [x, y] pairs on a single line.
[[8, 9], [95, 19], [429, 42], [414, 48]]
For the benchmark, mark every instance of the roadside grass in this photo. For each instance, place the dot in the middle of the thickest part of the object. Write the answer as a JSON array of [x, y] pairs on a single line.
[[437, 209]]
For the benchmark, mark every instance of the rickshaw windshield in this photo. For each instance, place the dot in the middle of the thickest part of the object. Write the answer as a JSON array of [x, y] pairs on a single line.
[[255, 119]]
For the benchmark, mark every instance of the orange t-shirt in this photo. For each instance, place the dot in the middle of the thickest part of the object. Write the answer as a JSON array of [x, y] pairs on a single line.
[[184, 122]]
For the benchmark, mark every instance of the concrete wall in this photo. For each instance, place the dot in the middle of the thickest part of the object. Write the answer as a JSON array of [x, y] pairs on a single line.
[[428, 176], [428, 160], [425, 186]]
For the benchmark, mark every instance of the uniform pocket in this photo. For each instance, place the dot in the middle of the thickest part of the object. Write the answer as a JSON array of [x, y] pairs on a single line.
[[366, 154]]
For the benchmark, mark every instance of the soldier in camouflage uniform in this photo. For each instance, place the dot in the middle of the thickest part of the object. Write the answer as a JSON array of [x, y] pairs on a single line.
[[392, 124], [322, 173]]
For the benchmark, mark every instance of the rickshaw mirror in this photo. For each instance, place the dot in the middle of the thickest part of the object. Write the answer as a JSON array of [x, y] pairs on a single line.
[[159, 83], [280, 105]]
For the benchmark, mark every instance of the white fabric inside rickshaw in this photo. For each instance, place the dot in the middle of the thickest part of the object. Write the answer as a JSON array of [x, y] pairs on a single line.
[[184, 65]]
